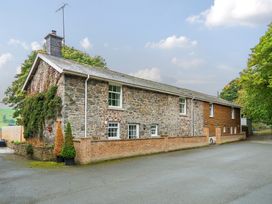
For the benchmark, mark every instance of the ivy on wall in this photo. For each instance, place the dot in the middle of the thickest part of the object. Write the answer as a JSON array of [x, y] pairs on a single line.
[[38, 108]]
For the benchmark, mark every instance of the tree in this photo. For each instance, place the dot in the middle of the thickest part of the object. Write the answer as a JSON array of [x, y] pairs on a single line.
[[58, 139], [68, 149], [256, 81], [230, 91], [14, 96]]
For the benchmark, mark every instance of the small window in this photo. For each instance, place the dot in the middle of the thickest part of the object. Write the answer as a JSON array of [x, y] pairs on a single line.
[[113, 130], [231, 130], [182, 106], [211, 110], [235, 130], [224, 129], [133, 131], [154, 130], [232, 113], [115, 96]]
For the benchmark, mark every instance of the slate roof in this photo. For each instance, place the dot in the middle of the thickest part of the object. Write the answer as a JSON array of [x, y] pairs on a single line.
[[71, 67]]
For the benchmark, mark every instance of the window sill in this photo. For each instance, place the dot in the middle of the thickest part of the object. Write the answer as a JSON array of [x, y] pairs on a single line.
[[113, 138], [116, 108], [183, 114], [154, 136]]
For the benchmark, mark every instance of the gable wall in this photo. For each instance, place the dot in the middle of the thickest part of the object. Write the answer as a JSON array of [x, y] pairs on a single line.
[[44, 77]]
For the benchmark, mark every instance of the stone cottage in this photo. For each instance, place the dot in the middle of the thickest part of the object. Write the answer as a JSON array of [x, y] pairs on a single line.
[[105, 104]]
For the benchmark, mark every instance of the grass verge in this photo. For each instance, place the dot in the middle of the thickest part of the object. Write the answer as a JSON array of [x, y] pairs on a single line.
[[45, 165]]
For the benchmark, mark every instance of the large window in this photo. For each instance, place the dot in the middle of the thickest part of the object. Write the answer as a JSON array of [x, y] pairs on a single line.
[[232, 113], [211, 110], [115, 96], [182, 106], [133, 131], [154, 130], [113, 130]]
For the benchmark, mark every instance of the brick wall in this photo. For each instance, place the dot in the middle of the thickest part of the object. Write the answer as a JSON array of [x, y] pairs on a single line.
[[222, 117], [89, 150], [221, 139]]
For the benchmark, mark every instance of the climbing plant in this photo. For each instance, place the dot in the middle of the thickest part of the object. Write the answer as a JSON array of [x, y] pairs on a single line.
[[38, 108]]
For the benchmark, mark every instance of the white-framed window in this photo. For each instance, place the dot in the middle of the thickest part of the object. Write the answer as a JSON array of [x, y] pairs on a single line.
[[231, 130], [211, 110], [115, 96], [235, 130], [154, 130], [133, 131], [232, 113], [113, 130], [182, 106], [224, 129]]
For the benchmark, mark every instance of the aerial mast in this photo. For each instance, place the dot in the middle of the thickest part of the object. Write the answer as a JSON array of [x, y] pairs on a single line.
[[63, 20]]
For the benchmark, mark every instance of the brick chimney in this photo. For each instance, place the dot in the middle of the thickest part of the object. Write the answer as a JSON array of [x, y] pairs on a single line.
[[53, 44]]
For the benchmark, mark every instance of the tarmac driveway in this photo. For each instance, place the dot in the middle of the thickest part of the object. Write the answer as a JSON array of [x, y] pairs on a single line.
[[232, 173]]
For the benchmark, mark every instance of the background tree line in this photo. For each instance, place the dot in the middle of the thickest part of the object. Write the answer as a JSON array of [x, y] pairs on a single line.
[[253, 88]]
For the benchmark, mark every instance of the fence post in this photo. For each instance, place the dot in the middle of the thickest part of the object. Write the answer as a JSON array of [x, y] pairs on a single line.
[[206, 133]]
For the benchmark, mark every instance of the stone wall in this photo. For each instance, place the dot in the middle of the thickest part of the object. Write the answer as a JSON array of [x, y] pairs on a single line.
[[89, 150], [39, 153], [44, 77], [139, 106]]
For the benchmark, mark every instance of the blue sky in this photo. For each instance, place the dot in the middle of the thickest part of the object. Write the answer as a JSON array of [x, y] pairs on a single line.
[[200, 45]]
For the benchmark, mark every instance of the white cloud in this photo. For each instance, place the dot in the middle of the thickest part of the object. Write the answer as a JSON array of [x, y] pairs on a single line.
[[18, 69], [86, 44], [151, 74], [172, 42], [235, 12], [4, 58], [35, 45], [187, 63], [13, 41], [196, 80]]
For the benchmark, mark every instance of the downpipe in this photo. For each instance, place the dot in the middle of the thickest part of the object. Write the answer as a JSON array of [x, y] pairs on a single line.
[[86, 104]]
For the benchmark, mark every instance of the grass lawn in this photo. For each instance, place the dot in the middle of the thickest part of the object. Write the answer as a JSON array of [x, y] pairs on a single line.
[[263, 132], [42, 164], [6, 118]]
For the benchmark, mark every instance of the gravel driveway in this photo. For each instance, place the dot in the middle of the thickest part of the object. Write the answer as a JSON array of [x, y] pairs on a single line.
[[232, 173]]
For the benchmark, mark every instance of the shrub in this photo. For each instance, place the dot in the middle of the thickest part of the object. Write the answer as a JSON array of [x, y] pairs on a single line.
[[29, 149], [58, 139], [17, 142], [68, 149]]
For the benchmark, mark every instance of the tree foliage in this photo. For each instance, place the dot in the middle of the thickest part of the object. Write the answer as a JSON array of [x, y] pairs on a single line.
[[14, 96], [68, 149], [230, 91], [256, 81], [82, 58], [58, 139]]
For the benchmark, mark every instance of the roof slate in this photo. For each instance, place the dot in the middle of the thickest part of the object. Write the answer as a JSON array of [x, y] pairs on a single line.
[[68, 66]]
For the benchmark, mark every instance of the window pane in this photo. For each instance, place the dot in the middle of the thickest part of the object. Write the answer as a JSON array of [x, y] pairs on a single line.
[[132, 131], [114, 95]]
